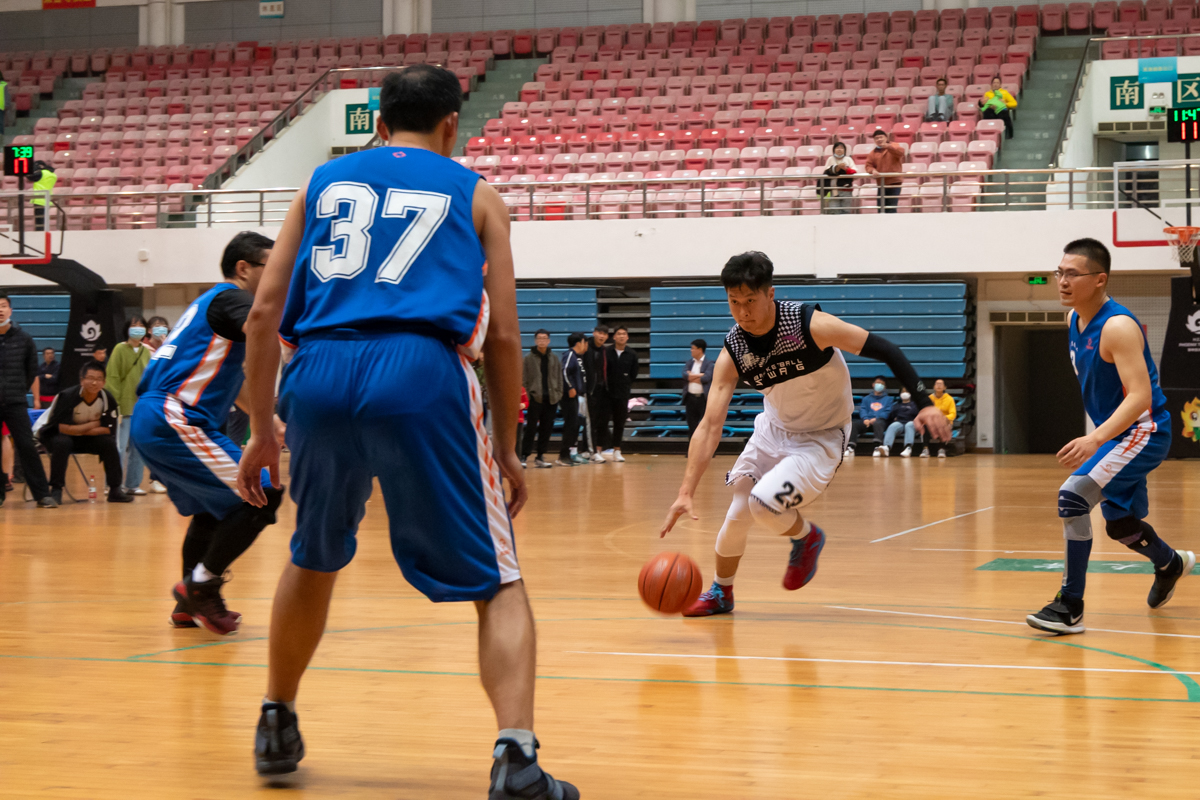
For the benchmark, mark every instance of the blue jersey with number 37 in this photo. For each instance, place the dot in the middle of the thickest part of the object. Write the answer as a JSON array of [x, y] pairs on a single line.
[[389, 244]]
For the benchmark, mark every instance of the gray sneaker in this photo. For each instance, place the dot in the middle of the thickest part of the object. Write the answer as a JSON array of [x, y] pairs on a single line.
[[47, 502], [558, 462], [597, 458], [577, 459], [517, 777], [540, 464]]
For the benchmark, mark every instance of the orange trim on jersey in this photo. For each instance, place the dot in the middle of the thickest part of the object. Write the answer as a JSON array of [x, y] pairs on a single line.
[[286, 343], [184, 391]]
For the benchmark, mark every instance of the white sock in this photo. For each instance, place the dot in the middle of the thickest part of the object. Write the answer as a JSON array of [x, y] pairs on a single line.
[[200, 574], [574, 451], [723, 581], [804, 531], [291, 704], [521, 737]]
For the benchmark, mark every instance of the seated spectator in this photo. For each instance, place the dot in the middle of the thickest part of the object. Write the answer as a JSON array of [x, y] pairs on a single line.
[[697, 378], [887, 159], [941, 105], [542, 377], [901, 418], [873, 413], [45, 386], [996, 104], [839, 187], [945, 404], [83, 419]]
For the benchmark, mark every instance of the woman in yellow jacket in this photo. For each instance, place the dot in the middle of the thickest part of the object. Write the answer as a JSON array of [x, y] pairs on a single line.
[[996, 104]]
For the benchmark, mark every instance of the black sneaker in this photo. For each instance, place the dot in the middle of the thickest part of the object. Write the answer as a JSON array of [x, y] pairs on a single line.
[[278, 746], [1165, 580], [515, 777], [1064, 615], [119, 496], [50, 501]]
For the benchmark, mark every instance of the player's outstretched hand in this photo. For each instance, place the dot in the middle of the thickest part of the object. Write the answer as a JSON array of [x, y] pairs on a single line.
[[260, 452], [1077, 451], [518, 492], [681, 506], [930, 420]]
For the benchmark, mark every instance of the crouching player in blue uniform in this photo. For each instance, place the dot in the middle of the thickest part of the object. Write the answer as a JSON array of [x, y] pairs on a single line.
[[400, 272], [183, 399], [1133, 433]]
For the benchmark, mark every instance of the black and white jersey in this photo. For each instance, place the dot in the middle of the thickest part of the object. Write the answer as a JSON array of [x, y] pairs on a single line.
[[804, 388]]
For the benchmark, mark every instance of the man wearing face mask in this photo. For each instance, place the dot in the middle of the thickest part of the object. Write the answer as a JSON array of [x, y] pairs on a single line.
[[901, 418], [873, 413]]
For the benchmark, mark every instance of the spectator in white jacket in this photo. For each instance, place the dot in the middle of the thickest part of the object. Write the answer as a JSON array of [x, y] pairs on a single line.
[[839, 167]]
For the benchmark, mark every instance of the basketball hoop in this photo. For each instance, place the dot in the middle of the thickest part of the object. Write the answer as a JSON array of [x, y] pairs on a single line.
[[1182, 241]]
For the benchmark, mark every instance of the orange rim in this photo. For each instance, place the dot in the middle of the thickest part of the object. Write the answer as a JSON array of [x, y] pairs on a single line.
[[1183, 234]]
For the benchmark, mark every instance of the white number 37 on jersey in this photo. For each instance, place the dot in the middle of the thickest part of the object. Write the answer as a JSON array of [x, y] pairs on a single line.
[[352, 207]]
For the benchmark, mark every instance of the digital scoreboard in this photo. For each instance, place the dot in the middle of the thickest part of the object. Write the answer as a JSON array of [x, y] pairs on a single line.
[[1183, 125], [18, 160]]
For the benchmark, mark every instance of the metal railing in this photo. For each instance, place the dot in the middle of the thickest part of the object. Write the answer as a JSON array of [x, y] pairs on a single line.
[[972, 190], [1093, 51]]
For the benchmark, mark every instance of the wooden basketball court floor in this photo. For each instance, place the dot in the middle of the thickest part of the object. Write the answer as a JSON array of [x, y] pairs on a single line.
[[903, 671]]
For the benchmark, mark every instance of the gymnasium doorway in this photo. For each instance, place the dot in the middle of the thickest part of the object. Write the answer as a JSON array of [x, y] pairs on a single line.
[[1038, 405]]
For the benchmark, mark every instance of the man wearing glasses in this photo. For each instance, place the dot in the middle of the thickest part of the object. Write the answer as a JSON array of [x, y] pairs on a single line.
[[184, 397], [1133, 433]]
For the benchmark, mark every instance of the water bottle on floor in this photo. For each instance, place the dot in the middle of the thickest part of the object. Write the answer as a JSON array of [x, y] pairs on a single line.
[[91, 488]]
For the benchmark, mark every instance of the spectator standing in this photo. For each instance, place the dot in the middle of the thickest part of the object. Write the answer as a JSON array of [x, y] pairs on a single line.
[[599, 409], [160, 329], [887, 159], [83, 419], [945, 404], [18, 370], [623, 365], [521, 423], [873, 413], [124, 371], [697, 377], [901, 418], [941, 105], [575, 386], [44, 180], [45, 386], [997, 104], [5, 103], [542, 377], [839, 167]]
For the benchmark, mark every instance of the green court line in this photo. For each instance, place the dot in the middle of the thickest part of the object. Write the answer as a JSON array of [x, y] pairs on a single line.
[[1104, 567], [580, 678]]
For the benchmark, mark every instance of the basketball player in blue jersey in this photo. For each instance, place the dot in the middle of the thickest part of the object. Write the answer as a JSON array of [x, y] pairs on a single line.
[[184, 397], [392, 272], [792, 353], [1133, 433]]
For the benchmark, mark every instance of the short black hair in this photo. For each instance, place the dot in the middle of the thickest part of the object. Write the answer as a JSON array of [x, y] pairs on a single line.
[[133, 319], [246, 246], [941, 80], [879, 378], [878, 131], [620, 328], [1093, 251], [703, 345], [539, 332], [150, 322], [751, 269], [49, 350], [419, 97], [4, 297], [600, 326], [574, 339], [836, 144], [92, 366]]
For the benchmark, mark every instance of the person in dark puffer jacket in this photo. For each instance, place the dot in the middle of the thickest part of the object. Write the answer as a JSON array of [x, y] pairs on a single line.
[[18, 369]]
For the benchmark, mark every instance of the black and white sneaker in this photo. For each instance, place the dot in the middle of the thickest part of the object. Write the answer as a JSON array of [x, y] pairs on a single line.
[[1062, 616], [1165, 580], [278, 746], [515, 777]]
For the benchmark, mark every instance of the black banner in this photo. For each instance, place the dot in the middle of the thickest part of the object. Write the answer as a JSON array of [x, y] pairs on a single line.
[[1179, 370]]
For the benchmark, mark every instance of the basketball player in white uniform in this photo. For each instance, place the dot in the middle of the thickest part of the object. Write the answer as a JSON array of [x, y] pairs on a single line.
[[791, 352]]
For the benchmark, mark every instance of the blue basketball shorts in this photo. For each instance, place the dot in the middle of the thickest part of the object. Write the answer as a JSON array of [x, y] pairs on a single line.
[[407, 409], [1121, 465], [198, 465]]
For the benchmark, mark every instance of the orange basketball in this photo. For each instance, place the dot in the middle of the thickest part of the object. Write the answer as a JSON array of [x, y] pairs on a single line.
[[670, 582]]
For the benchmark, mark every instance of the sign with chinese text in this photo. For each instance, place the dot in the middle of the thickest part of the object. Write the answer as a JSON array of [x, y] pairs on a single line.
[[1157, 70], [270, 9], [1187, 90], [373, 99], [1125, 93], [359, 119]]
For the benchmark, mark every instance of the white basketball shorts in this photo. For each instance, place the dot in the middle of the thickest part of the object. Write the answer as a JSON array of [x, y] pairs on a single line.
[[789, 470]]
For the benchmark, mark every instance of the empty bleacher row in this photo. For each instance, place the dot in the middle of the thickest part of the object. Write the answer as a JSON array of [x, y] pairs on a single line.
[[559, 311]]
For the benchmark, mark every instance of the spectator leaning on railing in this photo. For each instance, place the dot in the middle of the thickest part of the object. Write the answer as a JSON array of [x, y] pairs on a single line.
[[840, 186], [886, 159]]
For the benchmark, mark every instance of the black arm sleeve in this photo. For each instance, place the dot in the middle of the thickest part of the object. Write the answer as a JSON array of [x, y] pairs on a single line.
[[881, 349], [227, 314]]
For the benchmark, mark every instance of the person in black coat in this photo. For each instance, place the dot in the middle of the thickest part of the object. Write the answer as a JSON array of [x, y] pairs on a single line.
[[599, 414], [623, 365], [18, 369], [697, 377]]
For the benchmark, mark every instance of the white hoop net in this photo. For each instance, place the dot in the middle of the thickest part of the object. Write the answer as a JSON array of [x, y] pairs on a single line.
[[1183, 241]]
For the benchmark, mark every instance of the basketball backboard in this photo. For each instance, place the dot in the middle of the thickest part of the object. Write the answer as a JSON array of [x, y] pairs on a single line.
[[1148, 196]]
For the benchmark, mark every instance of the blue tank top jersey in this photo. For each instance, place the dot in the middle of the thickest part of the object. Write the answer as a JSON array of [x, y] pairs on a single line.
[[194, 364], [389, 244], [1101, 385]]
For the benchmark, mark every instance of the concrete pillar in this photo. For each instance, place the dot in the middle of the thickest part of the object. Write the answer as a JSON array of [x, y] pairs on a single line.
[[178, 23], [158, 23], [407, 16], [942, 5], [668, 11]]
